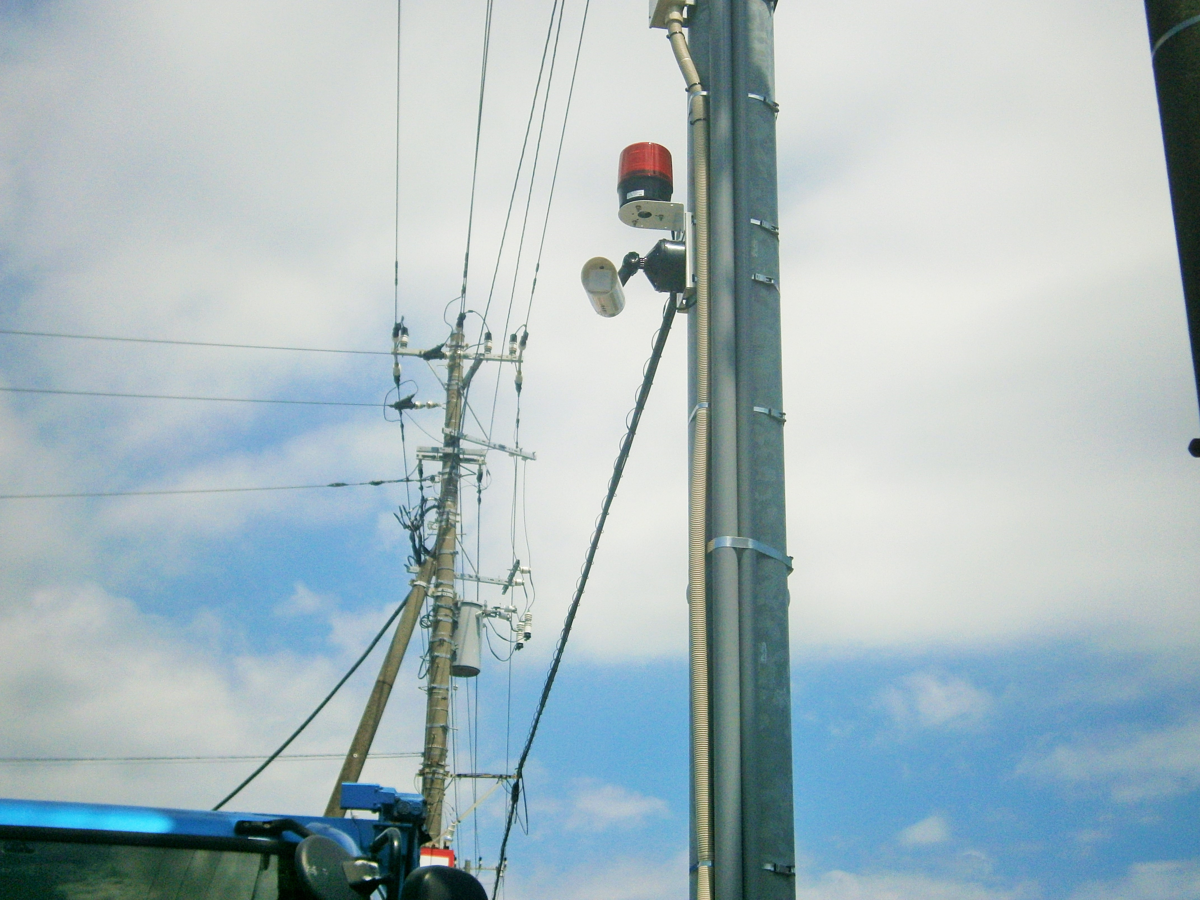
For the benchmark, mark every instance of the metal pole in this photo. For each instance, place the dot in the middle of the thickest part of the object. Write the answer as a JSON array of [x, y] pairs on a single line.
[[356, 757], [441, 639], [754, 855], [1175, 54]]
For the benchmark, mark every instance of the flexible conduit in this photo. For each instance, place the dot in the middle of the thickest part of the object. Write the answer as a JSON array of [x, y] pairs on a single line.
[[698, 485]]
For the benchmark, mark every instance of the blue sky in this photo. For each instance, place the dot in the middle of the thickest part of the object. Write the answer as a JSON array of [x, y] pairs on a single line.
[[995, 610]]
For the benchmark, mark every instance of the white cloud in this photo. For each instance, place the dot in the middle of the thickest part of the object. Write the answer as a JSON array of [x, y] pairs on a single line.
[[838, 885], [597, 807], [1131, 766], [926, 833], [625, 877], [86, 674], [1175, 880], [304, 602], [930, 700]]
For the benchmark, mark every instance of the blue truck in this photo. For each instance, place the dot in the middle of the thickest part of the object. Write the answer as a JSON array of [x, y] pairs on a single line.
[[89, 851]]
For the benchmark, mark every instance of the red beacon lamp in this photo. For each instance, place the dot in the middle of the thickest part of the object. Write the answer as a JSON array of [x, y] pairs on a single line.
[[645, 182]]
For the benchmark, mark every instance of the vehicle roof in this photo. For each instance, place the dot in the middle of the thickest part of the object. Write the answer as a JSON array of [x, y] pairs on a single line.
[[152, 820]]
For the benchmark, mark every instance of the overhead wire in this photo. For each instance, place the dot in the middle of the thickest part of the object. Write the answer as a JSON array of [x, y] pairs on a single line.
[[483, 68], [396, 261], [133, 340], [295, 734], [521, 160], [284, 757], [557, 160], [643, 394], [235, 490], [14, 390]]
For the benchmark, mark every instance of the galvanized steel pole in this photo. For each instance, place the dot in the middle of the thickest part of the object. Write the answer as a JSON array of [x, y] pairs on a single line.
[[1175, 53], [732, 42]]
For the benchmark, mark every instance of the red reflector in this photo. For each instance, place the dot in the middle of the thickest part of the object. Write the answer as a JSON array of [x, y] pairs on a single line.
[[645, 159]]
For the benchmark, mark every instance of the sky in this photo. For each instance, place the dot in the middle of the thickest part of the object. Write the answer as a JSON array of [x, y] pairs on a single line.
[[995, 610]]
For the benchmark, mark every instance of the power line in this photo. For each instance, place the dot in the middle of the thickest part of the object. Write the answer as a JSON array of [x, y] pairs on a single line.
[[50, 760], [557, 159], [483, 66], [295, 734], [13, 390], [132, 340], [237, 490], [643, 394]]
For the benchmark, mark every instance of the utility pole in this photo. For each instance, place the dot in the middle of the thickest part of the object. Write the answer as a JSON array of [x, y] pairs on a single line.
[[441, 636], [753, 847]]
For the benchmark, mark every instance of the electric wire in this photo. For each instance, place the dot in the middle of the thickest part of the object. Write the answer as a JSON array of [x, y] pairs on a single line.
[[483, 67], [533, 104], [132, 340], [643, 394], [236, 490], [557, 160], [396, 262], [537, 154], [285, 757], [13, 390], [295, 734]]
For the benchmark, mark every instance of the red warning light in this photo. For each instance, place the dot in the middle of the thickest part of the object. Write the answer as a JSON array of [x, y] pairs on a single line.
[[644, 173]]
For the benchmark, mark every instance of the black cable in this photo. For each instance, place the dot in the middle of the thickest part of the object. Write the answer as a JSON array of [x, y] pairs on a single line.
[[557, 159], [487, 39], [295, 734], [286, 487], [129, 340], [396, 295], [521, 161], [45, 760], [13, 390], [643, 394]]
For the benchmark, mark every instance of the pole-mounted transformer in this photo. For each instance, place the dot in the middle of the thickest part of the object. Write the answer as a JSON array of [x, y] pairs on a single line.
[[1175, 53]]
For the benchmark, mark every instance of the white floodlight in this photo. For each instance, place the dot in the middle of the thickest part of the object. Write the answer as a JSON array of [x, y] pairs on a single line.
[[603, 285]]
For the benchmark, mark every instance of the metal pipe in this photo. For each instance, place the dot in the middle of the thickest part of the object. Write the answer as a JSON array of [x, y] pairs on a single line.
[[701, 749]]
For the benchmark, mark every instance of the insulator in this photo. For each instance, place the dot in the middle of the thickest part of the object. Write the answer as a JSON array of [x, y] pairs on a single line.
[[396, 372], [512, 345], [487, 342]]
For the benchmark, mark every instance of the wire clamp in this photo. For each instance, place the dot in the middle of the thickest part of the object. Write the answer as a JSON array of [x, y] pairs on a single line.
[[765, 279], [742, 543], [696, 409], [766, 101], [1171, 32], [702, 864], [778, 414], [766, 226]]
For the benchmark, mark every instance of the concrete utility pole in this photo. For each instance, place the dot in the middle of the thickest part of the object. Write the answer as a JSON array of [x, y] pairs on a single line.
[[1175, 54], [441, 635], [732, 42]]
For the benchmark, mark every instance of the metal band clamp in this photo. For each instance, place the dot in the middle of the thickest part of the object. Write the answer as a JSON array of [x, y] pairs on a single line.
[[1172, 31], [766, 226], [741, 543], [766, 101], [778, 414], [765, 279]]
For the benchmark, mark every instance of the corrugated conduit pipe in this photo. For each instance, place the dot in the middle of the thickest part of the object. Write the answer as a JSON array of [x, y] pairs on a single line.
[[698, 482]]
